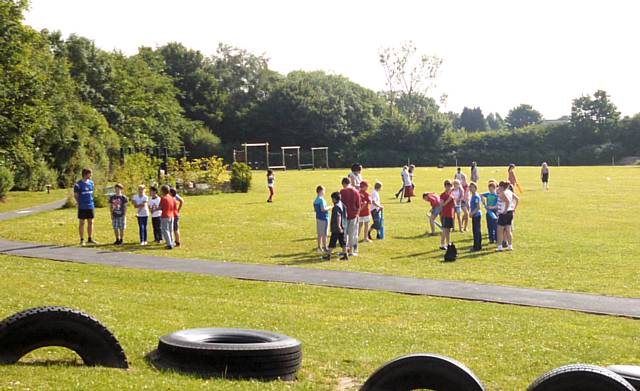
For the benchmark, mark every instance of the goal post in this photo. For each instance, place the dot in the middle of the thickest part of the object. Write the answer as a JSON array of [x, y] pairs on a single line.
[[296, 149], [245, 154], [321, 151]]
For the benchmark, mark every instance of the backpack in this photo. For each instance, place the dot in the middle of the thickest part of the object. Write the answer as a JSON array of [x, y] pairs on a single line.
[[451, 254]]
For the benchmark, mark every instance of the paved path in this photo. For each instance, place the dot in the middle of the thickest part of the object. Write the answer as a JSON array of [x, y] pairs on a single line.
[[31, 211], [595, 304]]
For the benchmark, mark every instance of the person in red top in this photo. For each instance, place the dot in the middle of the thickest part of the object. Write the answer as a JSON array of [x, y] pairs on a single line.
[[448, 212], [436, 209], [364, 217], [350, 197], [168, 206]]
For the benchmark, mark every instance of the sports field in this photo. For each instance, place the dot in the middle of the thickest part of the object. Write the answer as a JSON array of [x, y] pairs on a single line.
[[581, 235]]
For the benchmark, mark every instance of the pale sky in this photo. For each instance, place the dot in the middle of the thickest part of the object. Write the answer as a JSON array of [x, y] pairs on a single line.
[[497, 54]]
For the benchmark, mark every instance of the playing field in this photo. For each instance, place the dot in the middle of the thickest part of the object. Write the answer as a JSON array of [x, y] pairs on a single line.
[[581, 235]]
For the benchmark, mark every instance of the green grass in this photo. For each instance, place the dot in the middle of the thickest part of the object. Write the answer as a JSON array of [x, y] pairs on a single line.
[[346, 334], [16, 200], [581, 235]]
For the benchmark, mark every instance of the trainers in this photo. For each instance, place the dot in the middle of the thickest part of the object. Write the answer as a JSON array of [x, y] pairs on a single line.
[[510, 247], [81, 242], [177, 244], [344, 257], [117, 242], [326, 257], [169, 247], [91, 241], [319, 250], [499, 248]]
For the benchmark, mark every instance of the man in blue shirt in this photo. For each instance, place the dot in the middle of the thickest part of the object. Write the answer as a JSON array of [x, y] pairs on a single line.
[[83, 193], [476, 217]]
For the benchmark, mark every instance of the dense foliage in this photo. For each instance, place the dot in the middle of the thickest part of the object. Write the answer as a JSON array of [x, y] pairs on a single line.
[[240, 177], [66, 104]]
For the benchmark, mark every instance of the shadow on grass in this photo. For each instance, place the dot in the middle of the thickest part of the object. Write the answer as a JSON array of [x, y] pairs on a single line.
[[49, 363], [303, 240]]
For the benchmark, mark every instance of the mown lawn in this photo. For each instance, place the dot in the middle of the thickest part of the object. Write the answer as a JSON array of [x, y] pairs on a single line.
[[16, 200], [581, 235], [346, 334]]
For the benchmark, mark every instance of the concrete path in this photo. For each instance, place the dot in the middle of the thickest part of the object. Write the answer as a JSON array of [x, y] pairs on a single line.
[[30, 211], [595, 304]]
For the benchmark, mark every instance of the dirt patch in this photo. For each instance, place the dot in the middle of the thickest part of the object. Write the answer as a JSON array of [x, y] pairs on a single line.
[[347, 384]]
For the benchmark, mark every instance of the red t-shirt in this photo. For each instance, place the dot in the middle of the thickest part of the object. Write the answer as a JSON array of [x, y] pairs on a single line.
[[448, 210], [350, 197], [365, 204], [434, 200], [168, 206]]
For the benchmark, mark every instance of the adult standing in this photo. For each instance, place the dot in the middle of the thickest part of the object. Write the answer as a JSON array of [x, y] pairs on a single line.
[[544, 175], [83, 193], [350, 197], [475, 177]]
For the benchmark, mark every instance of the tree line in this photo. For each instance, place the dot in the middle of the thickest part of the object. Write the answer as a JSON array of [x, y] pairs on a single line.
[[66, 104]]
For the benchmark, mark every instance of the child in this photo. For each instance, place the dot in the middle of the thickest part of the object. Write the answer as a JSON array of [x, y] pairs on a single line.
[[462, 177], [376, 212], [507, 204], [409, 187], [271, 181], [83, 193], [436, 209], [167, 206], [141, 201], [490, 201], [118, 204], [355, 177], [156, 213], [322, 219], [458, 195], [513, 179], [338, 217], [476, 216], [179, 202], [350, 198], [402, 175], [448, 211], [544, 175], [364, 216]]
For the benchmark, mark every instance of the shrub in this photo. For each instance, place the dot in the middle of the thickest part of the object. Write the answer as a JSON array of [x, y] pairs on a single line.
[[6, 181], [137, 169], [240, 177]]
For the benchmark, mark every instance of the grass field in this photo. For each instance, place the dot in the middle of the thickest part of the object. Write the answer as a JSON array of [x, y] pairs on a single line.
[[581, 235], [16, 200], [346, 334]]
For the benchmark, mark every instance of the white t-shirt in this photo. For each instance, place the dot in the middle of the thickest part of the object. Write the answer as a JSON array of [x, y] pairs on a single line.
[[375, 199], [406, 178], [502, 205], [143, 211], [355, 179], [154, 203]]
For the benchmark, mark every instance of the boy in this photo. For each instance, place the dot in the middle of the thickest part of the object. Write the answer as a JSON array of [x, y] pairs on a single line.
[[156, 213], [179, 202], [448, 212], [167, 206], [322, 219], [83, 193], [141, 201], [364, 216], [436, 209], [476, 216], [350, 198], [402, 175], [338, 216], [490, 201], [118, 203], [377, 212]]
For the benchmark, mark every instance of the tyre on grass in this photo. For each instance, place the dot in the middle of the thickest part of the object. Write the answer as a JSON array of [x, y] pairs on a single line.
[[229, 353], [580, 377], [65, 327], [630, 373], [423, 371]]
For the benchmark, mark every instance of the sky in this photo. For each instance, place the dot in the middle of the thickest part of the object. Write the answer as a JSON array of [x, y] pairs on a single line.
[[497, 54]]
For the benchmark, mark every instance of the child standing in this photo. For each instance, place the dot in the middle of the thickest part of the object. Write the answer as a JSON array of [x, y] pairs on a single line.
[[141, 201], [544, 175], [402, 175], [448, 212], [338, 217], [409, 187], [490, 201], [476, 216], [322, 219], [271, 182], [458, 195], [507, 204], [350, 198], [118, 204], [355, 177], [377, 212], [167, 206], [156, 213], [436, 209], [364, 216], [179, 202]]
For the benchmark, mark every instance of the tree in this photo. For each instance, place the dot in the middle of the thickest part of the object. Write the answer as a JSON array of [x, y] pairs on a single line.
[[495, 121], [472, 120], [521, 116], [407, 73], [595, 116]]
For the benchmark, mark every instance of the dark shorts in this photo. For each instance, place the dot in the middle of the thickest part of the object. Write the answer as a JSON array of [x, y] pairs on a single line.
[[337, 238], [506, 218], [447, 222], [545, 178], [176, 223], [85, 214]]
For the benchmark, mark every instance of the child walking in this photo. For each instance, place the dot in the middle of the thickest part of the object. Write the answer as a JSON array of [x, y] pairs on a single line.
[[448, 212], [364, 216], [179, 202], [403, 173], [271, 182], [322, 219], [476, 216], [377, 213], [338, 217], [141, 201], [167, 206], [118, 204], [156, 213]]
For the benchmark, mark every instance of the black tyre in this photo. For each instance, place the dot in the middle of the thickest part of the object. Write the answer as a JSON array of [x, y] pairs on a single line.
[[59, 326], [580, 377], [630, 373], [423, 371], [230, 353]]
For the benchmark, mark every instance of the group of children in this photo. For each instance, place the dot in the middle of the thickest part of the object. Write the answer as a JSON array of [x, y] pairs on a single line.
[[164, 210]]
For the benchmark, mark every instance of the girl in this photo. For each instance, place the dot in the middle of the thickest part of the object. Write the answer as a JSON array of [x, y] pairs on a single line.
[[507, 204], [271, 180], [141, 201], [364, 217], [513, 180], [544, 175], [408, 183], [458, 195], [402, 175], [475, 177], [355, 177]]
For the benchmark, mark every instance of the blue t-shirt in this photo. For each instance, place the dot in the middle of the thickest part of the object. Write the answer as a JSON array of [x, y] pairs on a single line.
[[85, 194], [318, 205], [476, 201], [492, 200]]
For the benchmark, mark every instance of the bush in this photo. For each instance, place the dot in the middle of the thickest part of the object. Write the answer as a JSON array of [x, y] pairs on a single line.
[[138, 169], [240, 177], [35, 176], [6, 181]]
